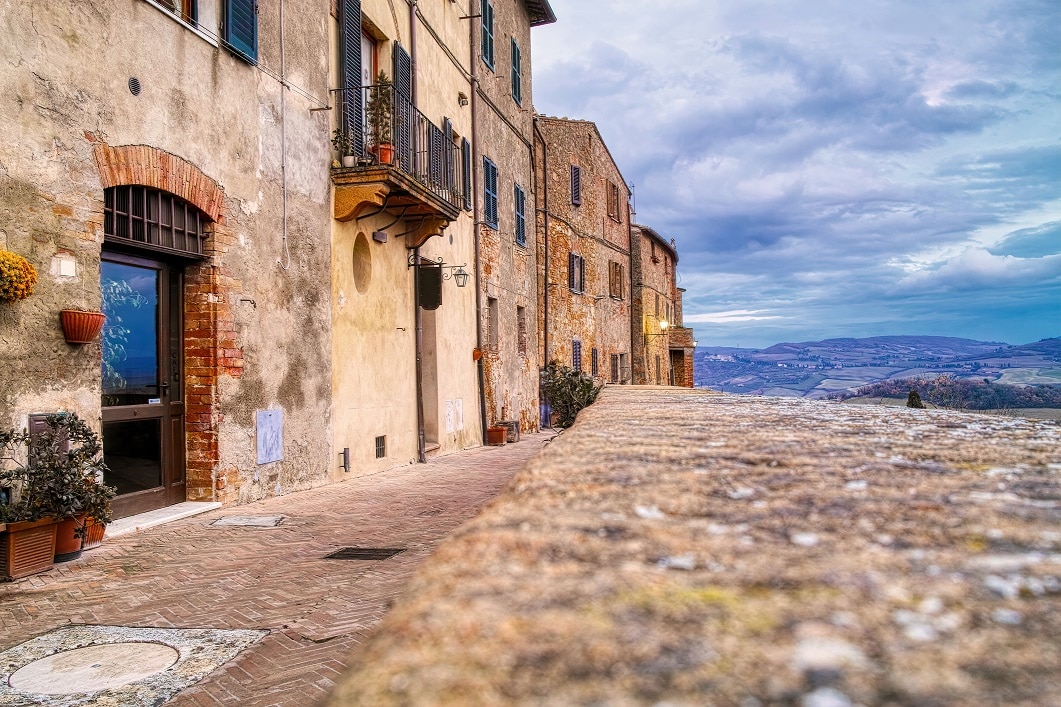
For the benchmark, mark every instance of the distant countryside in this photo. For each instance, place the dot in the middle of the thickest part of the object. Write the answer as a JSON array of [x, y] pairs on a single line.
[[947, 372]]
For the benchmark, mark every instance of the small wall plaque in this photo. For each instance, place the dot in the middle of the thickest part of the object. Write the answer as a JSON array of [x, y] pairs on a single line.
[[270, 436]]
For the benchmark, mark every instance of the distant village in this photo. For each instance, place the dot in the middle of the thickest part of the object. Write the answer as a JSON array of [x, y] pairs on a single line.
[[266, 249]]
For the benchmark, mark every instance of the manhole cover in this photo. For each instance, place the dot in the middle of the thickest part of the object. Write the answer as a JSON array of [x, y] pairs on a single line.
[[249, 521], [364, 553], [93, 668]]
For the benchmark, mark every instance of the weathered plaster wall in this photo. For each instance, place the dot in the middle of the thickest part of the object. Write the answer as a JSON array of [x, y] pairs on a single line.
[[593, 317], [65, 89], [508, 270], [652, 268]]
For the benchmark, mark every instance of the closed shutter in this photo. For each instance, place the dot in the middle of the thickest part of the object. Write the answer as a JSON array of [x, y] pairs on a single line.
[[448, 163], [517, 74], [488, 34], [352, 117], [521, 216], [436, 152], [239, 28], [466, 173], [490, 192], [571, 271], [576, 185], [404, 133]]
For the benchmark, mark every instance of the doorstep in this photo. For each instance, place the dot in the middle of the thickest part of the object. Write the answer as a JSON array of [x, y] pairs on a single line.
[[131, 524]]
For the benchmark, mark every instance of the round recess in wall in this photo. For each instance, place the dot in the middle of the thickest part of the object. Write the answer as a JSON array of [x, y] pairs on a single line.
[[134, 85], [362, 263]]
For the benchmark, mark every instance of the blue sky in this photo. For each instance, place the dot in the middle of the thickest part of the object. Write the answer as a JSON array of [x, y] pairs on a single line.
[[832, 169]]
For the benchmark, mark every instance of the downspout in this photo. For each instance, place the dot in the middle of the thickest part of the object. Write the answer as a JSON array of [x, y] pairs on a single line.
[[630, 278], [283, 142], [545, 225], [476, 217], [412, 48]]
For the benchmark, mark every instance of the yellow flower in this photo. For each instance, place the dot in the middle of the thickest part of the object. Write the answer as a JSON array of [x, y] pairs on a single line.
[[17, 277]]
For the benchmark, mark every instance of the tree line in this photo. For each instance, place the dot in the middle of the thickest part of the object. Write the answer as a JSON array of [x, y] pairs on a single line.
[[947, 391]]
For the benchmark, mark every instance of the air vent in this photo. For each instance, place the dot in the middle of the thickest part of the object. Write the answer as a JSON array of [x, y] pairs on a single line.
[[134, 85], [381, 447], [364, 553]]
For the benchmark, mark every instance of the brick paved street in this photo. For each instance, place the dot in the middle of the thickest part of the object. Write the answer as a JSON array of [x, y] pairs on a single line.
[[187, 574]]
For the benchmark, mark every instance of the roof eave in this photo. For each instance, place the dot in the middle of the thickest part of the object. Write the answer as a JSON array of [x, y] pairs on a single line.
[[540, 12]]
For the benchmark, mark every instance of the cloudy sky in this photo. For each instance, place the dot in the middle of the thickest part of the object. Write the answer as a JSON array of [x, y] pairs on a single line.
[[832, 168]]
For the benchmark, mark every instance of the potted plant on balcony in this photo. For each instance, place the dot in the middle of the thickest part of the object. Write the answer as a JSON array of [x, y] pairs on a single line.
[[60, 479], [344, 145], [380, 111]]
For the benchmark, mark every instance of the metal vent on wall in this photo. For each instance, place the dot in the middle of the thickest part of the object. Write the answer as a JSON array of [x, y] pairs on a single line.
[[134, 85], [364, 553]]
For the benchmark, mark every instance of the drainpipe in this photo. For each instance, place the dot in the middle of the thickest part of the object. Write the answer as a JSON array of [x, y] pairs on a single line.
[[412, 48], [421, 442], [476, 217], [545, 223], [283, 142]]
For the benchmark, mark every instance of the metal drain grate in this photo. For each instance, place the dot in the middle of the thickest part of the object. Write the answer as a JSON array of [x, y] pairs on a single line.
[[364, 553]]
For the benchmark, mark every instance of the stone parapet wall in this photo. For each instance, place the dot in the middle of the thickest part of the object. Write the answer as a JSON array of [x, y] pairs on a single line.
[[682, 547]]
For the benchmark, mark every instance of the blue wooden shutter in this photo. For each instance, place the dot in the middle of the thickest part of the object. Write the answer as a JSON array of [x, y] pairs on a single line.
[[521, 215], [517, 74], [239, 28], [352, 116], [488, 34], [576, 185], [404, 133], [466, 172]]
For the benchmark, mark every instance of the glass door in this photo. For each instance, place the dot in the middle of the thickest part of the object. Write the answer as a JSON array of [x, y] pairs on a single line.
[[143, 407]]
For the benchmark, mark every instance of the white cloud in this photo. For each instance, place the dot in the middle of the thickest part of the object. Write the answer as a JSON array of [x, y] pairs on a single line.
[[732, 316]]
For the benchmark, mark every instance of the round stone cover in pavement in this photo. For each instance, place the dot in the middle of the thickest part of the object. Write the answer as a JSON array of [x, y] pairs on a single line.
[[93, 668]]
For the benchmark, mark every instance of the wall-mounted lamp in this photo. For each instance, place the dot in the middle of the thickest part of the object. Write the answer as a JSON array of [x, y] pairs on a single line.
[[455, 272], [462, 99], [695, 343], [460, 276], [663, 324], [379, 236]]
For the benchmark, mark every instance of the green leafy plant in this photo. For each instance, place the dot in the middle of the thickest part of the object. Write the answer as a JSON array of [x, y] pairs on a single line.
[[568, 392], [380, 110], [913, 400], [17, 277], [55, 473], [342, 142]]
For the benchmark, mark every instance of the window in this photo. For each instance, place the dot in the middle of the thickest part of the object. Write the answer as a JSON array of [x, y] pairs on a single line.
[[576, 272], [657, 305], [657, 370], [576, 185], [615, 368], [593, 362], [521, 330], [466, 173], [491, 323], [153, 219], [239, 28], [381, 447], [521, 215], [187, 10], [517, 74], [576, 356], [615, 279], [487, 48], [490, 192], [613, 201]]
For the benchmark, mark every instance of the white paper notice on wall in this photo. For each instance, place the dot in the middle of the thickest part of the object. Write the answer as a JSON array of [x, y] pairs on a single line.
[[270, 436], [458, 414], [449, 417]]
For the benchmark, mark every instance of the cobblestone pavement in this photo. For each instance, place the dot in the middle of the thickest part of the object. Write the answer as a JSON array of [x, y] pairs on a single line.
[[187, 574]]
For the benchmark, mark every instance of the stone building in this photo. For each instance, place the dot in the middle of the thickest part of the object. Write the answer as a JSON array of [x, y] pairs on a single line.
[[584, 292], [502, 159], [682, 342], [156, 168], [404, 381], [652, 267]]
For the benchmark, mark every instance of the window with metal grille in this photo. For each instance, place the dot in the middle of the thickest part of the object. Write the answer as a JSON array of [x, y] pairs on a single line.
[[576, 185], [576, 272], [615, 279], [153, 219], [615, 368], [381, 447], [489, 192], [593, 362], [576, 355], [521, 330], [520, 198], [487, 47], [517, 74]]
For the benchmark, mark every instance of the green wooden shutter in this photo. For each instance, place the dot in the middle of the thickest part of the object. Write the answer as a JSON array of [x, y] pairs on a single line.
[[517, 74], [490, 192], [404, 115], [466, 172], [488, 34], [239, 28], [521, 214], [352, 116]]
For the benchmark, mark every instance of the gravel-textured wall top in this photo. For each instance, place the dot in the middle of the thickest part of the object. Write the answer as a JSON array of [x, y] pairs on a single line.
[[691, 548]]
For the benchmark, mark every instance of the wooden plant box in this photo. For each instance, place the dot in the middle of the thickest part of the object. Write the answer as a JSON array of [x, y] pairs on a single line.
[[26, 548]]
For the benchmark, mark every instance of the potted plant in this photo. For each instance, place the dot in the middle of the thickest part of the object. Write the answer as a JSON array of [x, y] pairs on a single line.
[[60, 479], [81, 326], [17, 277], [380, 111], [344, 145]]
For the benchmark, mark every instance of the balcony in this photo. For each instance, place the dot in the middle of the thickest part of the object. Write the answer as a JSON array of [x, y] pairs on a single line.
[[403, 164]]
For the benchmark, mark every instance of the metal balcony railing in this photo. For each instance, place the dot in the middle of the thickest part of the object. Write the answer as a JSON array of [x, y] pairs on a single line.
[[379, 126]]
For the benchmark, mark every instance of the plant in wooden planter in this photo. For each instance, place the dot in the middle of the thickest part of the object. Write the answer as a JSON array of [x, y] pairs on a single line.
[[61, 478], [17, 277]]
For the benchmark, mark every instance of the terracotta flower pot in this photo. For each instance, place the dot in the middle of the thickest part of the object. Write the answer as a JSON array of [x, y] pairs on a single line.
[[80, 327], [26, 548], [94, 531], [385, 152], [496, 436], [67, 543]]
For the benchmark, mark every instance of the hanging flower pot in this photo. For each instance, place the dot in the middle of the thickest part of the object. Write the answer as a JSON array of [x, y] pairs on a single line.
[[80, 327], [17, 277]]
